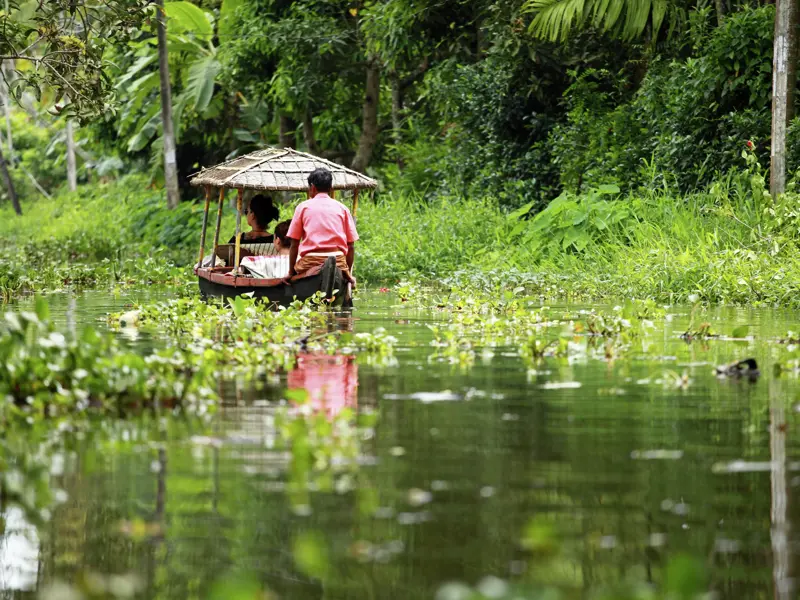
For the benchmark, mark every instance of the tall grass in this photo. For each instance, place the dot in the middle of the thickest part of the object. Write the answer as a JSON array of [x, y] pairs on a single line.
[[727, 245]]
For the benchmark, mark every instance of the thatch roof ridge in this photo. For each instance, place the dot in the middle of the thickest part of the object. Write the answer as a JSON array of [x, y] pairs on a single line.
[[279, 170]]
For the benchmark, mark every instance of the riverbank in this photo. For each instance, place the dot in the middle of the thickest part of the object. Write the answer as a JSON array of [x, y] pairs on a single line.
[[730, 245]]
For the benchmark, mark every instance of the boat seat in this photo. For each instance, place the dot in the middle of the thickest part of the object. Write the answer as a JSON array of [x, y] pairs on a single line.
[[267, 249], [227, 252]]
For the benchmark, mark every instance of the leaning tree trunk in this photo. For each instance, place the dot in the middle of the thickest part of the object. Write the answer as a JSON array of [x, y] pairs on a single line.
[[170, 161], [12, 194], [783, 84], [287, 133], [369, 127], [308, 132], [72, 171]]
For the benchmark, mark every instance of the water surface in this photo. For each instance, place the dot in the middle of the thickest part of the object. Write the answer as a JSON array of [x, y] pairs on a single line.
[[627, 468]]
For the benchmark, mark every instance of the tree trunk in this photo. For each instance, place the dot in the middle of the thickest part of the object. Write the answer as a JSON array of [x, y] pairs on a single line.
[[287, 135], [12, 194], [721, 10], [72, 173], [7, 109], [170, 161], [369, 127], [397, 114], [308, 132], [783, 83]]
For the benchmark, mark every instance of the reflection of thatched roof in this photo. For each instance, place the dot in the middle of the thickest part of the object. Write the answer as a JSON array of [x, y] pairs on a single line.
[[273, 169]]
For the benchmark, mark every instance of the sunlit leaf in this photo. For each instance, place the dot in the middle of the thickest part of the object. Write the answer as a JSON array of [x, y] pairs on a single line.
[[227, 14], [741, 331], [188, 17], [200, 84], [310, 553]]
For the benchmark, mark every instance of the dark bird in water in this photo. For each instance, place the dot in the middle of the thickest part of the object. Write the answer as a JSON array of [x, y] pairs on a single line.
[[740, 368]]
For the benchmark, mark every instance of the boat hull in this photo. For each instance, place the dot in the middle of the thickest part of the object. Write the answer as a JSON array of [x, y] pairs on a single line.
[[330, 281]]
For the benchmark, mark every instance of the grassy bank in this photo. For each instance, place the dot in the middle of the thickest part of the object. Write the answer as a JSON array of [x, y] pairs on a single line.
[[731, 244]]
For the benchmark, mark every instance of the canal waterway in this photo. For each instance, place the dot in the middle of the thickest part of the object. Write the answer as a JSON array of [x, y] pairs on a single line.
[[582, 473]]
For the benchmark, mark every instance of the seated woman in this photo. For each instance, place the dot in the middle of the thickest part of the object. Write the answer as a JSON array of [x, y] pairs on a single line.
[[260, 214], [275, 266], [282, 243]]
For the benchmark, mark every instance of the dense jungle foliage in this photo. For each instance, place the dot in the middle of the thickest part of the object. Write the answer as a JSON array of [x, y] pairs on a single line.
[[525, 136], [473, 99]]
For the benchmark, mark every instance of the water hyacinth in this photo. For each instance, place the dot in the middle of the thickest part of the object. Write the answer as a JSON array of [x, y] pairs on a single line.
[[248, 336], [44, 374]]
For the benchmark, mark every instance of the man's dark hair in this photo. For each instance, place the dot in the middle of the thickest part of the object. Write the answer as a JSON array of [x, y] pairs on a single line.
[[321, 179]]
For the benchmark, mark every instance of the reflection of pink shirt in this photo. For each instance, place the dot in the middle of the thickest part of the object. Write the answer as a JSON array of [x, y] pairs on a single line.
[[330, 380], [322, 225]]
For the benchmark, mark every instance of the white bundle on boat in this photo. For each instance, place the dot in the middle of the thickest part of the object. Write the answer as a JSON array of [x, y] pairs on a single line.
[[267, 267]]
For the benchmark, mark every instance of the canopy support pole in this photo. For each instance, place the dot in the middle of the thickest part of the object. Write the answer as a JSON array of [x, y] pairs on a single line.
[[238, 225], [219, 224], [205, 226], [355, 202]]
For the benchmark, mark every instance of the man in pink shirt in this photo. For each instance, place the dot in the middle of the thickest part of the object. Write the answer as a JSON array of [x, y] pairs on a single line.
[[321, 227]]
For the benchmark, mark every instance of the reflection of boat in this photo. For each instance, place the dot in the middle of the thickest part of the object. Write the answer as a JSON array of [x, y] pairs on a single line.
[[330, 380], [271, 170]]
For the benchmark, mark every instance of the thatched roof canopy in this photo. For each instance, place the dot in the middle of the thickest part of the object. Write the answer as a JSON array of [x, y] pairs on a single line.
[[278, 170]]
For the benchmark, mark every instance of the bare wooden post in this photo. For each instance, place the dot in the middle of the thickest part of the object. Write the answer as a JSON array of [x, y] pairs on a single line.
[[783, 83], [205, 226], [72, 171], [219, 224], [239, 195], [170, 162], [355, 203]]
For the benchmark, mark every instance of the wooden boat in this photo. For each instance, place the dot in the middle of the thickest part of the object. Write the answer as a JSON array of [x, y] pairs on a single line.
[[270, 169], [219, 282]]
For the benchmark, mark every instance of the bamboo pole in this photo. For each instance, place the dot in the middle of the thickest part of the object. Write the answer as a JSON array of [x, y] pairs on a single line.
[[355, 202], [239, 195], [205, 226], [219, 224]]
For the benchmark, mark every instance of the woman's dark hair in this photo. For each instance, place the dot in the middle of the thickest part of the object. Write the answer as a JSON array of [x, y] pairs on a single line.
[[261, 206], [281, 231], [322, 179]]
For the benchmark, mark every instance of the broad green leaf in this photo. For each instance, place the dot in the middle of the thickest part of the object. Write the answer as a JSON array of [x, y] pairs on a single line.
[[146, 132], [311, 554], [741, 331], [42, 309], [518, 228], [200, 84], [608, 189], [135, 69], [521, 211], [297, 395], [237, 586], [227, 14], [245, 136], [187, 17], [25, 13], [238, 306]]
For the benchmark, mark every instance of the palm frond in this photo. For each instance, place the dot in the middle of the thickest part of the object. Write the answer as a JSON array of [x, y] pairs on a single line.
[[554, 20]]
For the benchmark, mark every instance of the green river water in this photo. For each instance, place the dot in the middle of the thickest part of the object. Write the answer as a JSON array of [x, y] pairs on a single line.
[[626, 469]]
